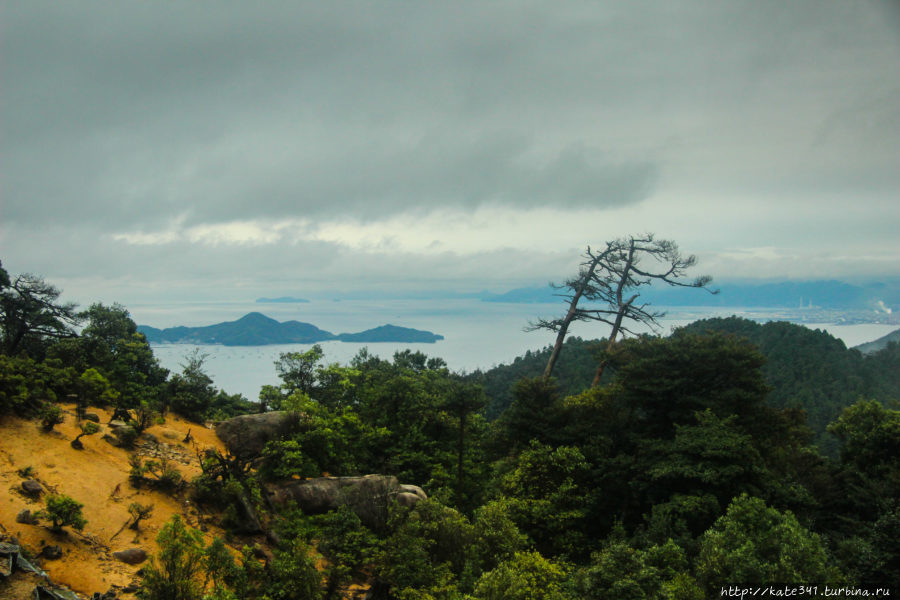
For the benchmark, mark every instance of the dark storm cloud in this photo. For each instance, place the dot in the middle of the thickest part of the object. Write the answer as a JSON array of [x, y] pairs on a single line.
[[132, 112], [127, 117]]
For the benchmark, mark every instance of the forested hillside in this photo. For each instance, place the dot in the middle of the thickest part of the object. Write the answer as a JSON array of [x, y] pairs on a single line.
[[687, 470], [804, 368]]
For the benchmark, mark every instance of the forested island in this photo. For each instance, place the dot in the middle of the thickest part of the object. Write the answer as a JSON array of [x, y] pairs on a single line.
[[728, 452], [256, 329]]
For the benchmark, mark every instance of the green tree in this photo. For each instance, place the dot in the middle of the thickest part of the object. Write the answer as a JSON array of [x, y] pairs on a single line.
[[621, 572], [87, 428], [293, 574], [526, 576], [111, 345], [462, 403], [51, 415], [31, 315], [26, 385], [546, 493], [754, 543], [96, 388], [297, 370], [191, 393], [426, 553], [495, 537], [138, 513], [175, 572], [348, 546], [870, 438], [63, 511]]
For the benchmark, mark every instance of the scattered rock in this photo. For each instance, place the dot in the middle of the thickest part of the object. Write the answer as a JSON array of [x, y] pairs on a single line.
[[26, 518], [149, 437], [51, 552], [92, 417], [32, 487], [170, 435], [131, 556], [117, 424]]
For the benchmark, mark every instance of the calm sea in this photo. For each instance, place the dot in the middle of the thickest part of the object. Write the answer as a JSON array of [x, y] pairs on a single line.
[[477, 334]]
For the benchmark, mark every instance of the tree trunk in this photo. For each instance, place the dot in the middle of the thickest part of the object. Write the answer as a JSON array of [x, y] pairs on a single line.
[[570, 314], [612, 340]]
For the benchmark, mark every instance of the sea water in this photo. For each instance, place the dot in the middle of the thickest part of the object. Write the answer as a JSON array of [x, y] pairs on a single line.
[[477, 335]]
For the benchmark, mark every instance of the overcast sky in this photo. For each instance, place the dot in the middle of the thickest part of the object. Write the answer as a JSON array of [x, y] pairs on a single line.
[[236, 149]]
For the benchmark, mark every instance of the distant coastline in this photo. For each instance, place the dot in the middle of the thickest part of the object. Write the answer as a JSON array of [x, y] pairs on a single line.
[[282, 300], [256, 329]]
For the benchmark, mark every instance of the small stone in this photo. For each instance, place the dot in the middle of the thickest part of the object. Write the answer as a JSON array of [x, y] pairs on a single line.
[[25, 517], [51, 552], [132, 556], [32, 487], [117, 424]]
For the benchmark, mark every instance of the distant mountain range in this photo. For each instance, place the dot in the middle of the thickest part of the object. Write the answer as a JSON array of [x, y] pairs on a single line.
[[256, 329], [282, 300], [881, 296]]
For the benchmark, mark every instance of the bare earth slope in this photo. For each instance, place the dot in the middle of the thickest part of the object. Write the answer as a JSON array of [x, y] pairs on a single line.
[[97, 477]]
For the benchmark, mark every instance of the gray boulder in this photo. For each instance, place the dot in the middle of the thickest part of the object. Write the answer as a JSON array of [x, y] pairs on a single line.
[[51, 552], [247, 435], [414, 490], [369, 496], [32, 487], [26, 517]]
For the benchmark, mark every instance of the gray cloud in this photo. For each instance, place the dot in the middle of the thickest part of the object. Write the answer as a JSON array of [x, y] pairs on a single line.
[[122, 117]]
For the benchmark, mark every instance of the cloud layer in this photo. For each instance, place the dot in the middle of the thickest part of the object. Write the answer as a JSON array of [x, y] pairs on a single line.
[[439, 141]]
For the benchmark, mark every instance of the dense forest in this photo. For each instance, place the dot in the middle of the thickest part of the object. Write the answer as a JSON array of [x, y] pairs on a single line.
[[804, 368], [692, 466]]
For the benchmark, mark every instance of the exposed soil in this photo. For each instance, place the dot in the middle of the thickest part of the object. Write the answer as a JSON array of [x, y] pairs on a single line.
[[96, 476]]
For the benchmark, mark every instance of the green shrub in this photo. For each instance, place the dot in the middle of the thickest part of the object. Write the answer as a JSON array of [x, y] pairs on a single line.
[[51, 415], [63, 511]]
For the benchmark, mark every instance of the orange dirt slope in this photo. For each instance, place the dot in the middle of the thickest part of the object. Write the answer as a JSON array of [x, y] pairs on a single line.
[[96, 476]]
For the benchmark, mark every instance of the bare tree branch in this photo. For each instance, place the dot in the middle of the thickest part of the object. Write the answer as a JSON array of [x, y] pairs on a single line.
[[614, 278]]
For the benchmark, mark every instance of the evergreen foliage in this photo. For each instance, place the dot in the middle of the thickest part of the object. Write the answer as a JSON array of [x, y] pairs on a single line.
[[63, 511]]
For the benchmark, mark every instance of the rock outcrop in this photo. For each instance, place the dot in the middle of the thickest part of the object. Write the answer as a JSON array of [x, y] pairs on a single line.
[[369, 496], [247, 435]]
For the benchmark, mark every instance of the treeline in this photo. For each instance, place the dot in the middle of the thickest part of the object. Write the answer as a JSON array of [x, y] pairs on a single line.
[[50, 351], [674, 478], [804, 368]]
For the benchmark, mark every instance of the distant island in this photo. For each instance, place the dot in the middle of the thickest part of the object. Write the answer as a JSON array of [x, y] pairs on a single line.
[[282, 300], [256, 329]]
